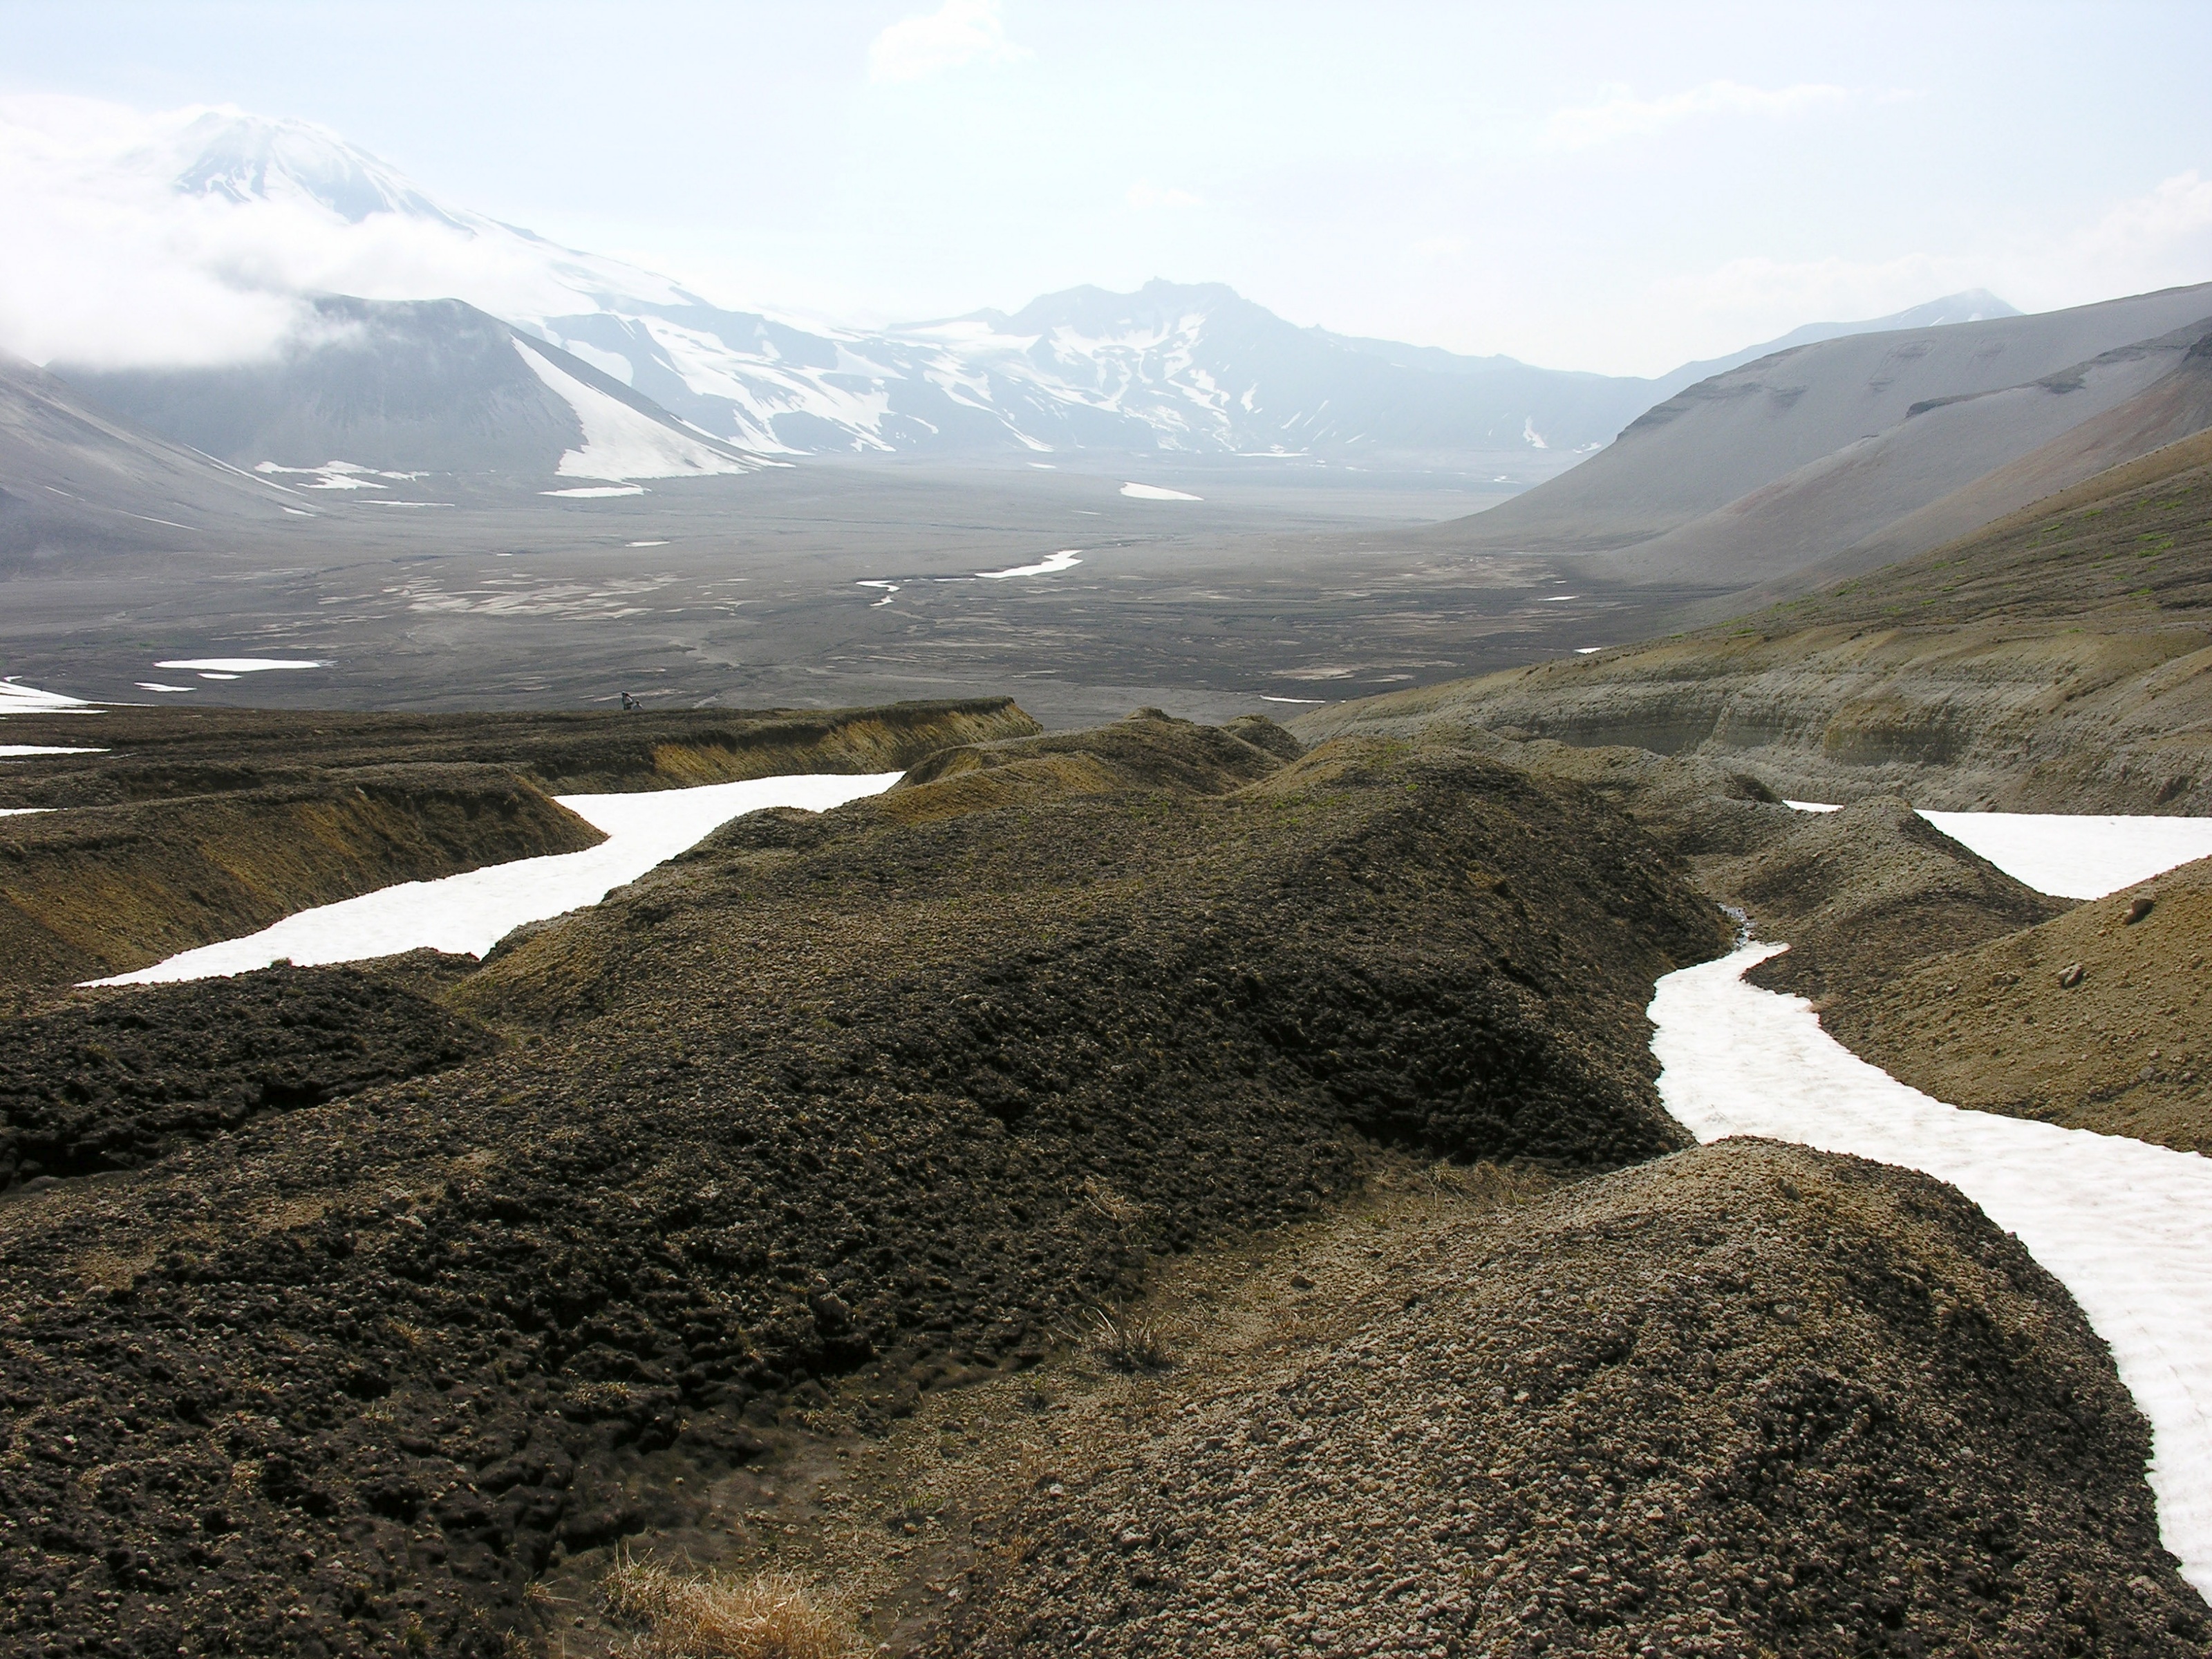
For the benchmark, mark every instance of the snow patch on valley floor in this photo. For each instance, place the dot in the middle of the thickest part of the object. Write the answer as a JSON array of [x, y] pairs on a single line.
[[2076, 855], [233, 666], [1142, 492], [16, 698], [1065, 560], [2126, 1226], [469, 914], [25, 751]]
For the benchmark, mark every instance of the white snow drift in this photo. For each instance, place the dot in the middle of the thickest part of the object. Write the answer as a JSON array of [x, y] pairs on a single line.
[[2079, 855], [25, 751], [235, 665], [471, 913], [2126, 1226], [1143, 492], [1067, 559], [16, 698]]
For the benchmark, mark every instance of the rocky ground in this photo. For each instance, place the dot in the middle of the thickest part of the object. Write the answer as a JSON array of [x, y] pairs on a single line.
[[1925, 959], [114, 1079], [825, 1201], [1868, 893], [856, 1102], [2093, 1020], [1746, 1399]]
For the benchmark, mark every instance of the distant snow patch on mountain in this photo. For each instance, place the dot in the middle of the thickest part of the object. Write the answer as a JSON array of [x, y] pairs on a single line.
[[620, 442], [1144, 492]]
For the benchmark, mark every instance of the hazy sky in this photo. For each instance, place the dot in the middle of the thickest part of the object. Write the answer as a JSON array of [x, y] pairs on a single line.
[[1589, 187]]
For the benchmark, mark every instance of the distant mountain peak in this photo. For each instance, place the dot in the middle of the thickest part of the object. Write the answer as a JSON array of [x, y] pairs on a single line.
[[248, 158], [1973, 305]]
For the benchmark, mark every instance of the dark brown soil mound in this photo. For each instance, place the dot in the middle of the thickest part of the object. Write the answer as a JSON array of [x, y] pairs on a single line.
[[828, 1096], [1702, 808], [1750, 1400], [113, 1079], [87, 892], [1864, 894], [1147, 750], [2124, 1048]]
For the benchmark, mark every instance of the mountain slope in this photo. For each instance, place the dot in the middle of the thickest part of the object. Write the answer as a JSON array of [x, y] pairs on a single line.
[[431, 385], [1972, 305], [78, 477], [1741, 431], [1950, 466]]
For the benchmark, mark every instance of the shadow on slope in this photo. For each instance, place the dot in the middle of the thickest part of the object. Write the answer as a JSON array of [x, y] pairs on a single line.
[[114, 1079]]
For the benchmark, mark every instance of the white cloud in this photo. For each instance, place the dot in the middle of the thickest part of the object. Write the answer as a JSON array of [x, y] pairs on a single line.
[[2158, 240], [1624, 116], [957, 32], [109, 263], [1143, 195], [1775, 296], [2161, 238]]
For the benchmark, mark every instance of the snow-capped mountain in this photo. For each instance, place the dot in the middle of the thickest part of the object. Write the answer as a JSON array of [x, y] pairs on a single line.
[[1197, 369], [1193, 368], [417, 385]]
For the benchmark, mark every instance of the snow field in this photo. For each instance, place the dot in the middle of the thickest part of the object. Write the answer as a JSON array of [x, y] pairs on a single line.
[[233, 666], [1065, 560], [468, 914], [2078, 855], [2126, 1226], [1144, 492], [16, 698]]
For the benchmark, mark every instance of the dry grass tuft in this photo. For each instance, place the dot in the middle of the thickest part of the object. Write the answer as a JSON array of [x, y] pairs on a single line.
[[772, 1616], [1103, 1199], [1128, 1342], [1491, 1183]]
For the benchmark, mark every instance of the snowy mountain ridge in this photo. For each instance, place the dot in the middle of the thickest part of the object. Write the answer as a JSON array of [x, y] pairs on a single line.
[[1192, 368]]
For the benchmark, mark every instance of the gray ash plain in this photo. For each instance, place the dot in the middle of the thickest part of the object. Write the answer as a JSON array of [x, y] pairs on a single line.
[[1285, 588]]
